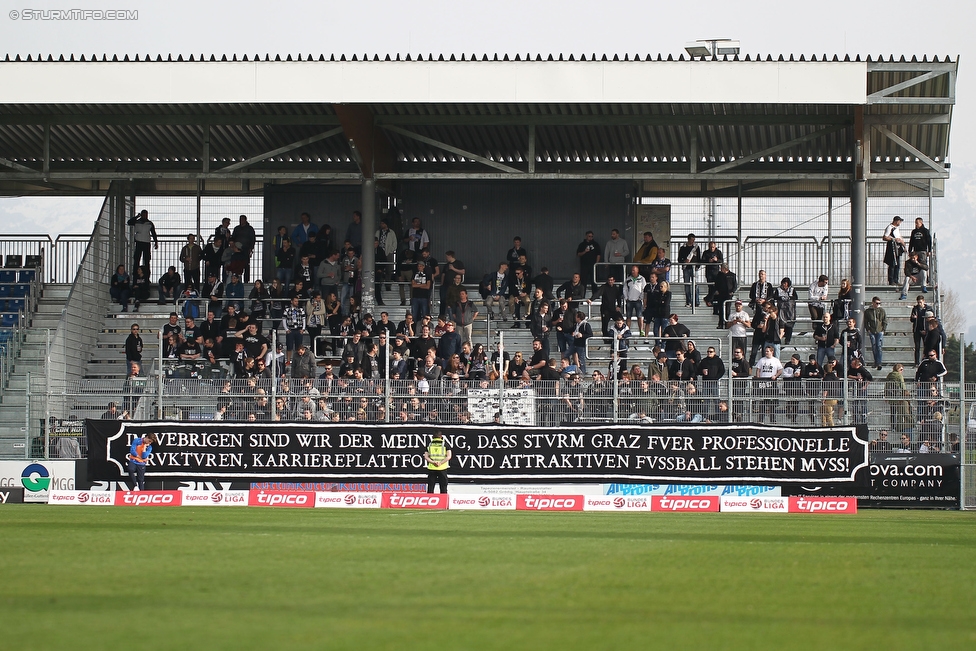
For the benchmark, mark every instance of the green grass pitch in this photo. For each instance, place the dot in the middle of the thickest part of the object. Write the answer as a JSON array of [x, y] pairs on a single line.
[[248, 578]]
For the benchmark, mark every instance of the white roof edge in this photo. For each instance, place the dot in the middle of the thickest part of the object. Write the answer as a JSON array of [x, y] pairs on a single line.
[[759, 82]]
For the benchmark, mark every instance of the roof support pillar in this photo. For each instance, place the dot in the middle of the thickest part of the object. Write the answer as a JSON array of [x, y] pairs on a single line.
[[859, 218], [369, 252], [46, 165], [205, 154], [531, 149]]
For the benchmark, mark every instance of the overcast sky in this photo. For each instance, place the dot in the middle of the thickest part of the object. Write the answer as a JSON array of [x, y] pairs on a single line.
[[507, 26]]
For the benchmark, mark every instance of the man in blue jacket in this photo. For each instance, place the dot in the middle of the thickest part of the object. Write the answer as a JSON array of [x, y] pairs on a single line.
[[138, 457]]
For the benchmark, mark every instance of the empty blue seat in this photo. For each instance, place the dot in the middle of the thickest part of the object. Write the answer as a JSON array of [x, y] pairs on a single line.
[[16, 304], [9, 320], [8, 276], [19, 290], [27, 275], [5, 290], [14, 261]]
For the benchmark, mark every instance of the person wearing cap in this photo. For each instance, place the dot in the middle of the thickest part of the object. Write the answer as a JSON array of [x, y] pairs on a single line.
[[689, 256], [915, 269], [894, 248], [818, 294], [113, 413], [437, 454], [935, 337]]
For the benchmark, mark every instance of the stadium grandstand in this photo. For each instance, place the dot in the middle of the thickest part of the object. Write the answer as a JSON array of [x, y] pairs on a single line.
[[793, 166]]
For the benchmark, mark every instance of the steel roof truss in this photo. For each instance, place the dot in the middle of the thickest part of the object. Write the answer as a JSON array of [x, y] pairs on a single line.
[[17, 166], [771, 150], [908, 83], [280, 150], [450, 148], [891, 135]]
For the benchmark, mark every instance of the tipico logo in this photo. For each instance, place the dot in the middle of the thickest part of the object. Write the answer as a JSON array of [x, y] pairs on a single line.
[[36, 478]]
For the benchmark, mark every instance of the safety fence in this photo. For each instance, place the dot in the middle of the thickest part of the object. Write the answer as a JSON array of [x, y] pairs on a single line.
[[927, 416]]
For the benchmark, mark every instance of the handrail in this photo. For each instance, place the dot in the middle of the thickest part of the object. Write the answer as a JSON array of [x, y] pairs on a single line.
[[73, 341]]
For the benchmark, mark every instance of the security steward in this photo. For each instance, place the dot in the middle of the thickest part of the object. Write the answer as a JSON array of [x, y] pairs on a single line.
[[438, 458]]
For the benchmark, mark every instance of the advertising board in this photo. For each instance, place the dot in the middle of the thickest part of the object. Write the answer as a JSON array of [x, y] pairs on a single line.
[[616, 503], [549, 502], [215, 498], [81, 498], [295, 500], [754, 504], [37, 478], [348, 500], [482, 502]]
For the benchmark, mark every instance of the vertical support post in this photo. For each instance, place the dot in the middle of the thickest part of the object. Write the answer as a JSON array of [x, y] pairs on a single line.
[[830, 229], [159, 377], [859, 214], [859, 236], [963, 420], [930, 205], [47, 379], [369, 253], [27, 429], [531, 149], [274, 372], [738, 234], [501, 376], [46, 164], [846, 403], [205, 154], [387, 388], [693, 156], [614, 374], [199, 205]]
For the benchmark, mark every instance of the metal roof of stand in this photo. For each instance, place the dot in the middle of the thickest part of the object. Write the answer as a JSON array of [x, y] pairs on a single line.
[[223, 125]]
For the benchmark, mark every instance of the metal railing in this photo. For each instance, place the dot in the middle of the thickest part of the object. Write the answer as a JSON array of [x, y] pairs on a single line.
[[76, 335]]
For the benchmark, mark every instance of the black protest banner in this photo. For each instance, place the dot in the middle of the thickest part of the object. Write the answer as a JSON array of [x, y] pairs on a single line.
[[898, 480], [618, 453]]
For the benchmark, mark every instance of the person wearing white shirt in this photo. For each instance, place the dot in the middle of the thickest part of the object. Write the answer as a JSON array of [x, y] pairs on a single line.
[[738, 324], [634, 297], [768, 370], [894, 248], [818, 294]]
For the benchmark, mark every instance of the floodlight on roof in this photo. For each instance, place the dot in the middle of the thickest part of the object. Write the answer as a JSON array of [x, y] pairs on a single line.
[[709, 47]]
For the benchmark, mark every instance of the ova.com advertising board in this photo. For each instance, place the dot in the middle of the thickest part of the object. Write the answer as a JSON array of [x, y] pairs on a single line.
[[37, 478]]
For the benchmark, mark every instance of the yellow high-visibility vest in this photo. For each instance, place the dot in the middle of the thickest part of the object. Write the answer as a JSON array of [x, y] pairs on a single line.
[[437, 452]]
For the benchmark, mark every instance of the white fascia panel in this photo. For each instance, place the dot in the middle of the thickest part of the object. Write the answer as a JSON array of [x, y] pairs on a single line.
[[434, 82]]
